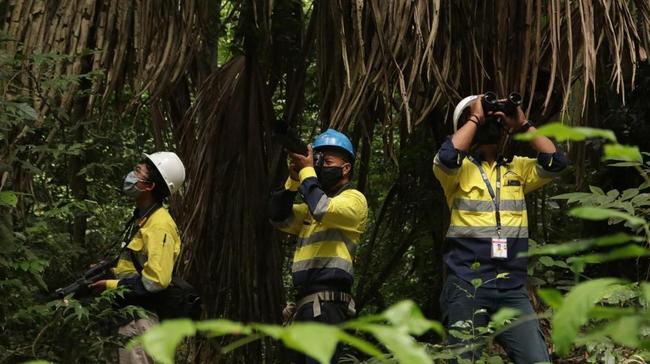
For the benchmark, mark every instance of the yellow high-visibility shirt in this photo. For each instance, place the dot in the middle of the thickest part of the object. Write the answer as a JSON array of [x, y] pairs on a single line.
[[473, 222], [327, 237], [157, 245]]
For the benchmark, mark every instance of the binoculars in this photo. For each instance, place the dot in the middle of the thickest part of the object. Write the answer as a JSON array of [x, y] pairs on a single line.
[[491, 103]]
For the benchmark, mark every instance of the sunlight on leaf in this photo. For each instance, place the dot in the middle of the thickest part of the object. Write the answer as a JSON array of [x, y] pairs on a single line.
[[222, 327], [8, 198], [619, 152], [561, 132]]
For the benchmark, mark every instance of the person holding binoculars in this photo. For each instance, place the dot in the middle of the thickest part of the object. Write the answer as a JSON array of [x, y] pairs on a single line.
[[489, 226]]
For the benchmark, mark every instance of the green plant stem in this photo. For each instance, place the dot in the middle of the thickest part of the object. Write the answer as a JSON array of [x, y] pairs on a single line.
[[40, 333], [520, 320], [241, 342], [643, 173]]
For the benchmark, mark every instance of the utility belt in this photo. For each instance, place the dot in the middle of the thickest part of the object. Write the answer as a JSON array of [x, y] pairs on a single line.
[[336, 286], [315, 300]]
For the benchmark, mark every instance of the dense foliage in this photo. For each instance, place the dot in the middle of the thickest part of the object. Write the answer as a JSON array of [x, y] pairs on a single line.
[[208, 79]]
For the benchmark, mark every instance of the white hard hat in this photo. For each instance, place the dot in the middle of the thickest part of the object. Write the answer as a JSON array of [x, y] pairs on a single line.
[[170, 167], [462, 105]]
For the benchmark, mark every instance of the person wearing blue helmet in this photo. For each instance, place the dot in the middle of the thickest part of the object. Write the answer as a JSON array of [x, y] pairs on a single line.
[[328, 223]]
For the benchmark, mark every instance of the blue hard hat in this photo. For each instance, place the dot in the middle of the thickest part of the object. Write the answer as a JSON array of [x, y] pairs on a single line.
[[335, 139]]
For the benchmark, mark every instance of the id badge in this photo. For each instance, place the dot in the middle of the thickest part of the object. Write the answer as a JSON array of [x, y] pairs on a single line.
[[499, 248]]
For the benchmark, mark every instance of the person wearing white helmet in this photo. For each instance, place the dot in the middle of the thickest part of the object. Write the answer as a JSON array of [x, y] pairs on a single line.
[[488, 225], [145, 267]]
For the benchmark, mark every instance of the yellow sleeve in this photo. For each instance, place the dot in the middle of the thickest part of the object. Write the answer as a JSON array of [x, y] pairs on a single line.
[[159, 242], [294, 223], [291, 184], [533, 174], [447, 177], [347, 211]]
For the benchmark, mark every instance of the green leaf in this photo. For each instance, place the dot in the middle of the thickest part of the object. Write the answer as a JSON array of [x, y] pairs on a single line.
[[222, 327], [273, 331], [624, 331], [624, 164], [403, 346], [621, 294], [596, 190], [561, 132], [610, 312], [641, 199], [360, 344], [570, 248], [629, 193], [161, 340], [645, 289], [503, 316], [572, 197], [599, 213], [494, 360], [8, 198], [574, 310], [627, 153], [551, 297], [28, 112], [477, 282], [546, 261], [407, 314], [630, 251], [315, 339]]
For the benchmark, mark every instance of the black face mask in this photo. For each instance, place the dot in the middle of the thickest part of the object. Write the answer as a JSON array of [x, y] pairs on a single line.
[[329, 176], [488, 133]]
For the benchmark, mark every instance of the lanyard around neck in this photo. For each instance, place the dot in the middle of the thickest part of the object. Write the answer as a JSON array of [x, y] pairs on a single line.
[[495, 196]]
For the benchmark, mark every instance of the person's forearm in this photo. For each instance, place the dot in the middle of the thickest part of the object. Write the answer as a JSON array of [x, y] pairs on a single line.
[[541, 143], [462, 138]]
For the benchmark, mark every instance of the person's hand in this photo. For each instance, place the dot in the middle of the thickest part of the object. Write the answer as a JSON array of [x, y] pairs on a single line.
[[300, 161], [293, 170], [98, 287], [476, 110], [513, 122]]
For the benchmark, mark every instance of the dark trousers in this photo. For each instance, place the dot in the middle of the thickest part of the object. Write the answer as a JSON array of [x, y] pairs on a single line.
[[331, 313], [524, 342]]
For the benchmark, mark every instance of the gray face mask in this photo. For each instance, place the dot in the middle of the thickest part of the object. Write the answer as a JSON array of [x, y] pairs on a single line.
[[130, 189]]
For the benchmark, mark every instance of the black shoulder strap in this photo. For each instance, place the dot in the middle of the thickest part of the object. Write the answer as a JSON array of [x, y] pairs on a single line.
[[135, 261]]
